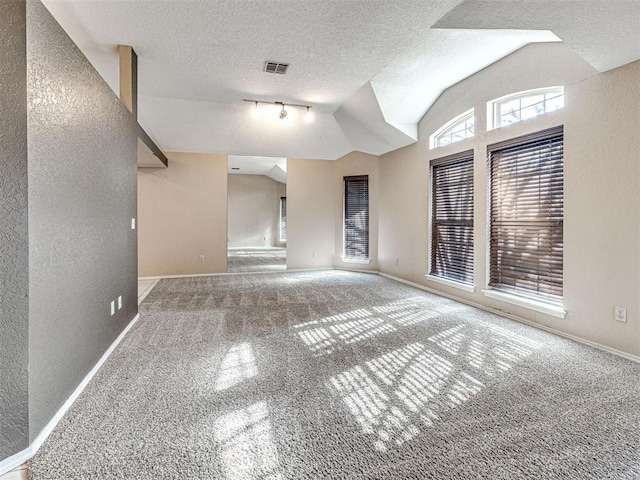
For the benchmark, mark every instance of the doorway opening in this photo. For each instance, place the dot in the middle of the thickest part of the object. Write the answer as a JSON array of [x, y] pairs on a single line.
[[257, 214]]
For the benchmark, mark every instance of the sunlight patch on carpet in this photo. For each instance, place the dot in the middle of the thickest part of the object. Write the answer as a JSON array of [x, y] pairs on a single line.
[[399, 393], [246, 441], [238, 365]]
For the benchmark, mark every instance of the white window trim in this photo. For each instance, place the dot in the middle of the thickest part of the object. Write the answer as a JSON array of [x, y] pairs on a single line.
[[449, 124], [364, 261], [536, 305], [492, 105], [451, 283]]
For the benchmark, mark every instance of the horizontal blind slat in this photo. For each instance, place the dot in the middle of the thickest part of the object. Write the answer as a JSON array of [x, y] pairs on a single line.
[[356, 217], [452, 218], [526, 216]]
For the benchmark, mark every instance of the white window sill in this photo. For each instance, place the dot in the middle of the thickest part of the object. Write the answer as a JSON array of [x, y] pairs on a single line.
[[362, 261], [538, 306], [451, 283]]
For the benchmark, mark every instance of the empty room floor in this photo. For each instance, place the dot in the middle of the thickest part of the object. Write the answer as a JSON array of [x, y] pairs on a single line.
[[340, 375], [256, 259]]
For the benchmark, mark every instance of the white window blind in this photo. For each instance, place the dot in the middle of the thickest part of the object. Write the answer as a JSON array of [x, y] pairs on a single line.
[[527, 210], [356, 217], [452, 217]]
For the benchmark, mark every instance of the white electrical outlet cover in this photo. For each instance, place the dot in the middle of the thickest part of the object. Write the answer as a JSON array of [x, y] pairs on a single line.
[[133, 224], [113, 307], [119, 302], [621, 314]]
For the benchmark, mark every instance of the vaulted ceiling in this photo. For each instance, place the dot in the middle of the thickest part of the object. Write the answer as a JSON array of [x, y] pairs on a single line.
[[369, 69]]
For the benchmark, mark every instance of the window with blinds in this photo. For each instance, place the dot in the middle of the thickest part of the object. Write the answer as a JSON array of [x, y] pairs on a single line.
[[283, 219], [452, 218], [356, 217], [526, 219]]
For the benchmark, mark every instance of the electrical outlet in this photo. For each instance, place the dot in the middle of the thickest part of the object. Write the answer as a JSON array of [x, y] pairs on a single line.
[[201, 258], [620, 314], [133, 224], [120, 302], [314, 254], [113, 307]]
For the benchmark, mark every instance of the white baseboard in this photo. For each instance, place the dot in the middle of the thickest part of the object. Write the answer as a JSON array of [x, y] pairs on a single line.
[[19, 458], [357, 270], [147, 291], [14, 461], [619, 353], [191, 275]]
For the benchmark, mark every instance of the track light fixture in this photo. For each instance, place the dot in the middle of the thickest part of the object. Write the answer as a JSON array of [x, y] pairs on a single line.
[[282, 114], [256, 111]]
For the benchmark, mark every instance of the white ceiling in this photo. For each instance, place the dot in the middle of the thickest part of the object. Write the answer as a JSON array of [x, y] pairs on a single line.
[[273, 167], [370, 69]]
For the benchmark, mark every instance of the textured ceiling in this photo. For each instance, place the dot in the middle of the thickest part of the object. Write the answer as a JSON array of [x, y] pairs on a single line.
[[370, 69]]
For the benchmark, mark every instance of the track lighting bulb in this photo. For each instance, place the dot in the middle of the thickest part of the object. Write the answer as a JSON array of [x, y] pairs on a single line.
[[283, 113], [308, 116], [255, 112]]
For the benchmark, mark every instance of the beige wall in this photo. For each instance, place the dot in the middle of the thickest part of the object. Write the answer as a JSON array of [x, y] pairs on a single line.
[[357, 163], [602, 221], [602, 199], [311, 200], [254, 211], [182, 214]]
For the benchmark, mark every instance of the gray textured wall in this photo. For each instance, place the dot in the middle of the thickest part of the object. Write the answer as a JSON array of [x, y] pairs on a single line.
[[82, 197], [14, 260]]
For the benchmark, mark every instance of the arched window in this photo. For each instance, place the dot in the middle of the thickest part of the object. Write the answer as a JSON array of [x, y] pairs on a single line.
[[454, 130], [524, 105]]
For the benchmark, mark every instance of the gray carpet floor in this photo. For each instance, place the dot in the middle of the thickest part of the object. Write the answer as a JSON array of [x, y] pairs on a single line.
[[337, 375], [256, 259]]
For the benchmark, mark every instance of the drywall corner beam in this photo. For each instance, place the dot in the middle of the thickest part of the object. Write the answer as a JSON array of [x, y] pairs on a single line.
[[129, 78], [142, 135], [129, 95]]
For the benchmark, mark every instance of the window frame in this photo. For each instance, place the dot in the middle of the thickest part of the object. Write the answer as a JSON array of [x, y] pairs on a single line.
[[493, 107], [282, 220], [542, 302], [449, 126], [466, 157], [348, 180]]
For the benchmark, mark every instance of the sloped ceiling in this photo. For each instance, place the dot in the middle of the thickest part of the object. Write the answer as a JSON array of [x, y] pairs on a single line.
[[369, 69], [272, 167]]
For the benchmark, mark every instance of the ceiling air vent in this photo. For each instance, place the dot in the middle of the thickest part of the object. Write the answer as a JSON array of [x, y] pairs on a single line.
[[276, 67]]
